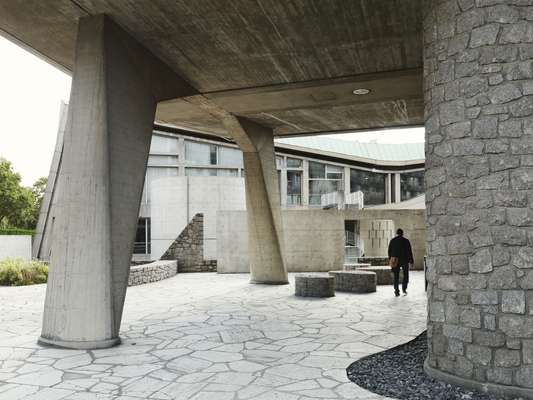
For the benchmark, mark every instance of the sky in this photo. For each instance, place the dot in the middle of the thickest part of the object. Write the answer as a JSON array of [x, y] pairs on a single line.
[[31, 92]]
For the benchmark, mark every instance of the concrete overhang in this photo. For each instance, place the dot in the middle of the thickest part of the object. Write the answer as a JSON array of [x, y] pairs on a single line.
[[289, 65]]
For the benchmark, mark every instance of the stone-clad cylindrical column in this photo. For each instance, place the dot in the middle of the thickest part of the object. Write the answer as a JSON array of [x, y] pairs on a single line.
[[478, 76]]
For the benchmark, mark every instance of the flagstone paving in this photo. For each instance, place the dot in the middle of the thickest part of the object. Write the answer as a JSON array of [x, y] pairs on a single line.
[[210, 337]]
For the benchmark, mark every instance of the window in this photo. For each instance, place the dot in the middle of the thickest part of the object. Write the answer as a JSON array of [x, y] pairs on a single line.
[[393, 188], [213, 154], [333, 172], [323, 179], [228, 157], [372, 184], [212, 172], [294, 188], [200, 153], [411, 185], [294, 163], [317, 170], [164, 145], [143, 239]]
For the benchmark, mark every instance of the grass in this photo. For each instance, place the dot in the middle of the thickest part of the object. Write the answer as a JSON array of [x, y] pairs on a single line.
[[17, 272]]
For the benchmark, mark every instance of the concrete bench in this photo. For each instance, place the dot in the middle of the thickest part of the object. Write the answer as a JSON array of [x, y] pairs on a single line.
[[314, 285], [383, 273], [355, 281], [354, 266]]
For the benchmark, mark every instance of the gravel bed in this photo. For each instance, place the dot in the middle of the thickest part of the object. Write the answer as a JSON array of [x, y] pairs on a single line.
[[399, 373]]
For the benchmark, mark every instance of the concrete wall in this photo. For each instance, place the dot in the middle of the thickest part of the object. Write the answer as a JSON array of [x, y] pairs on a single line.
[[413, 223], [15, 246], [314, 240], [376, 235], [206, 195]]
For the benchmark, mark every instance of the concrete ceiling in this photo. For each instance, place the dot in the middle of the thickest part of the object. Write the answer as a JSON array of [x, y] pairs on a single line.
[[288, 64]]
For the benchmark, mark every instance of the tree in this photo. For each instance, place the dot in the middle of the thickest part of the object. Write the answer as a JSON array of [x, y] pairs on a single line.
[[19, 205], [38, 190]]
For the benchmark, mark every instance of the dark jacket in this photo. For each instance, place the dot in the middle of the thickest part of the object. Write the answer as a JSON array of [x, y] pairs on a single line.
[[401, 247]]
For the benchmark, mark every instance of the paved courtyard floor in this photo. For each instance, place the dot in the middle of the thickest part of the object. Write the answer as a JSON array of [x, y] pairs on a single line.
[[210, 337]]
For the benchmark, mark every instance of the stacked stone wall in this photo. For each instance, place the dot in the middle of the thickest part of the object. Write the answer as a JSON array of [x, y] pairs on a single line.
[[188, 248], [478, 77]]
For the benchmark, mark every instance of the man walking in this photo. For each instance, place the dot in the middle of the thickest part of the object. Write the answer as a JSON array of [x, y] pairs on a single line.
[[400, 256]]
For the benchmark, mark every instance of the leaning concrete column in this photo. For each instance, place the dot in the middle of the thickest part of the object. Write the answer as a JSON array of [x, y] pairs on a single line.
[[115, 89], [479, 191], [265, 229]]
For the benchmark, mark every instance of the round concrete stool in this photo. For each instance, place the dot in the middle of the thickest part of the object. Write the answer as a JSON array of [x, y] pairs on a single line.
[[355, 281], [383, 274], [314, 285], [354, 266]]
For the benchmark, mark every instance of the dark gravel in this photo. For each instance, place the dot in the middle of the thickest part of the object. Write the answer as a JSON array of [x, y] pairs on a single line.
[[399, 373]]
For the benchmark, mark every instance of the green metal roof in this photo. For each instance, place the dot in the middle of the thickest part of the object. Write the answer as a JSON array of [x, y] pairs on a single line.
[[374, 151]]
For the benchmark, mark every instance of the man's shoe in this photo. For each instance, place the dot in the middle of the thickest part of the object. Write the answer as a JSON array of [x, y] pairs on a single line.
[[397, 294], [405, 292]]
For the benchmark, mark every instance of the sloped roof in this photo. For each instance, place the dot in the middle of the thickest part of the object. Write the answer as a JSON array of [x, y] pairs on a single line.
[[371, 151]]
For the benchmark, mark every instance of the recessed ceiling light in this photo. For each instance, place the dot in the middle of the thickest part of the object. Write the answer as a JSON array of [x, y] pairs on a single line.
[[361, 92]]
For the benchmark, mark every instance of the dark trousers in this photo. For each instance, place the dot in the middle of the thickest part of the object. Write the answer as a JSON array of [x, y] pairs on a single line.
[[405, 282]]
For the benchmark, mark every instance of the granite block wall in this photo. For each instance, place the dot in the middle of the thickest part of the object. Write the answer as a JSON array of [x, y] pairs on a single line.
[[478, 87]]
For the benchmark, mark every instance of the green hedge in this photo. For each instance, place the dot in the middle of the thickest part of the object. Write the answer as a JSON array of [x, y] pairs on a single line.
[[16, 272], [16, 231]]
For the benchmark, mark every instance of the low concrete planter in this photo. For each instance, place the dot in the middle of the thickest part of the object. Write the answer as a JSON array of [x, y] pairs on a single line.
[[314, 285], [153, 272], [355, 281]]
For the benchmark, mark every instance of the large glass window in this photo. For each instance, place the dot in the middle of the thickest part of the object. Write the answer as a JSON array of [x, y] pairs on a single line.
[[294, 163], [229, 157], [372, 184], [142, 243], [200, 153], [411, 185], [294, 187], [323, 179], [164, 145], [317, 170]]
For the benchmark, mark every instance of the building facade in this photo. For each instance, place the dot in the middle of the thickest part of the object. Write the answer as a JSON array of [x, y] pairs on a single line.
[[190, 173]]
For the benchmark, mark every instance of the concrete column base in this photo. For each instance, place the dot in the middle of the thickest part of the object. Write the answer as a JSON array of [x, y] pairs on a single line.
[[79, 345], [499, 390], [255, 281]]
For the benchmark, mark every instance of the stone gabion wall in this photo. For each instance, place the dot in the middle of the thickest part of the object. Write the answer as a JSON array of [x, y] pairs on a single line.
[[152, 272], [188, 248], [479, 189]]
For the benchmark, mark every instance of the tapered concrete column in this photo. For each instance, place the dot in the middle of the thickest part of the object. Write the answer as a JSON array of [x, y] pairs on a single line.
[[115, 89], [479, 194], [265, 228]]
